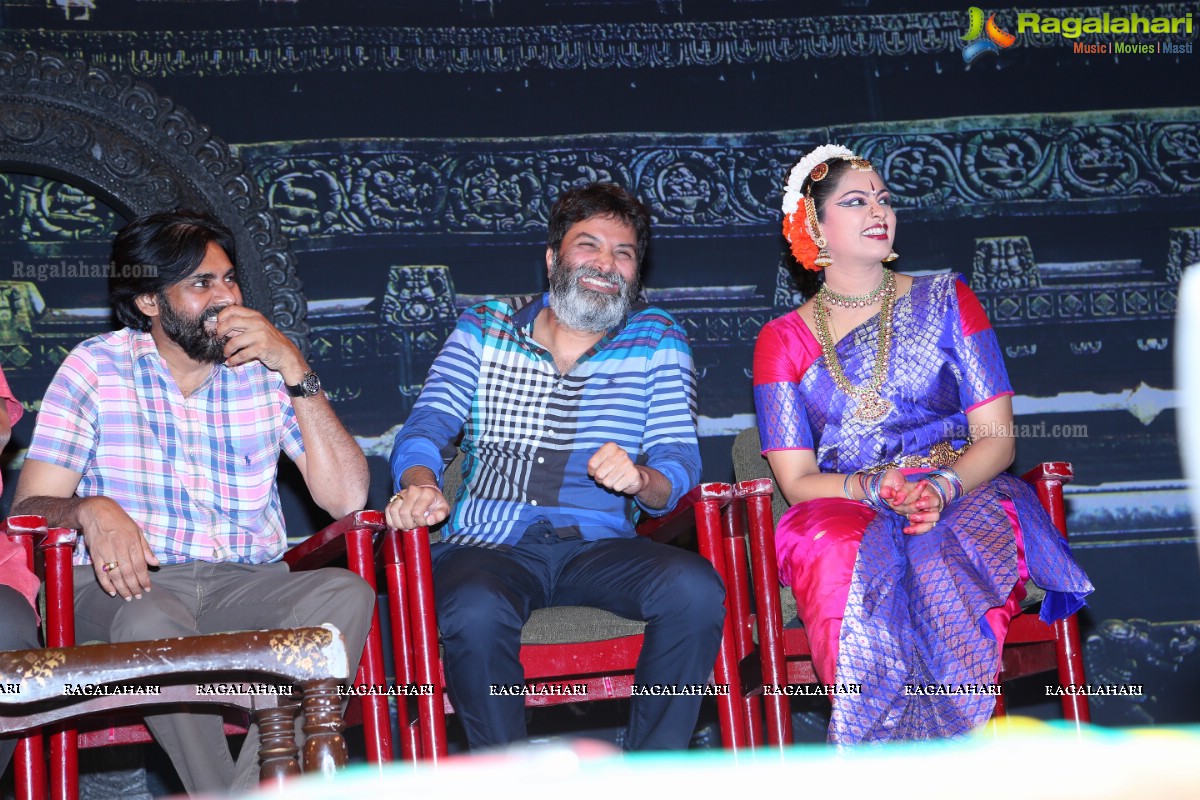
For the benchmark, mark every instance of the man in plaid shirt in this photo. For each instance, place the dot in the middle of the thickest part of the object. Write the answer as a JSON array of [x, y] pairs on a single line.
[[160, 443], [576, 408]]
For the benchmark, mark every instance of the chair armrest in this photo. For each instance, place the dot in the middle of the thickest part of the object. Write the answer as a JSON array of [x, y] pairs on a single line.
[[26, 530], [755, 487], [1060, 471], [329, 543], [1048, 479], [682, 517], [56, 547]]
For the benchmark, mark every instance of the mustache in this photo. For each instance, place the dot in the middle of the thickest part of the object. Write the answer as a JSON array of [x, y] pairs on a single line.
[[208, 317], [212, 312], [208, 322]]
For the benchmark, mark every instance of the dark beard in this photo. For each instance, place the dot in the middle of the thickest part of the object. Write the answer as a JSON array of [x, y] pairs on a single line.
[[582, 308], [191, 334]]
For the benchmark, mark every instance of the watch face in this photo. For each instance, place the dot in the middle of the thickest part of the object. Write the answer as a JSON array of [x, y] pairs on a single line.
[[310, 383]]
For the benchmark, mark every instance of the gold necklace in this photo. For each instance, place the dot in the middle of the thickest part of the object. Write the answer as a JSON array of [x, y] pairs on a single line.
[[870, 404], [853, 300]]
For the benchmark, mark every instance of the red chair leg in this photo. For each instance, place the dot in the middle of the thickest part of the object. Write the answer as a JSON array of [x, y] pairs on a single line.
[[64, 764], [431, 711], [402, 637], [1069, 652], [60, 632], [377, 726], [737, 590], [29, 768], [770, 617], [29, 763], [1048, 480], [729, 706]]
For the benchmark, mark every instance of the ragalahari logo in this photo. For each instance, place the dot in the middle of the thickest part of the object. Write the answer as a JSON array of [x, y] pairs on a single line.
[[996, 39]]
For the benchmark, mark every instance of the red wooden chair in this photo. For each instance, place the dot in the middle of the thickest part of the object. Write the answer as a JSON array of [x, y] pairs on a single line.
[[566, 645], [782, 656], [354, 536]]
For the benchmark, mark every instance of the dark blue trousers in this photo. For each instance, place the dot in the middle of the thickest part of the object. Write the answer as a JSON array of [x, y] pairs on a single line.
[[484, 596]]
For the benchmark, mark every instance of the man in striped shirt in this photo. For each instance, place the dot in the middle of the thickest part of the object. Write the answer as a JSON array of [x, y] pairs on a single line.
[[160, 443], [576, 409]]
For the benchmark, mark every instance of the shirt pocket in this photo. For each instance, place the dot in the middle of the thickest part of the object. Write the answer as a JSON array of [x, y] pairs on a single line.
[[247, 478]]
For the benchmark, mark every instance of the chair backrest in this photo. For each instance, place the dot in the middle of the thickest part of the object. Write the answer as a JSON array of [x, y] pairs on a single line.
[[452, 478], [749, 464]]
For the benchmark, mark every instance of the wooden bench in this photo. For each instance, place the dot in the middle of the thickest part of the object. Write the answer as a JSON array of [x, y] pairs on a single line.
[[255, 671]]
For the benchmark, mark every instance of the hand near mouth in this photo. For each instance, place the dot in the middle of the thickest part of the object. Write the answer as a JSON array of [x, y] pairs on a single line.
[[249, 336]]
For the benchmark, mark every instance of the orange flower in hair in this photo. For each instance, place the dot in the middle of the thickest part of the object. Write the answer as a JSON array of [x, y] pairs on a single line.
[[797, 228], [799, 236]]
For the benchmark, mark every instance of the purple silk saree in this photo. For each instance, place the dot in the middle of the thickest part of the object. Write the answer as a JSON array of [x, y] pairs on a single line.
[[916, 608]]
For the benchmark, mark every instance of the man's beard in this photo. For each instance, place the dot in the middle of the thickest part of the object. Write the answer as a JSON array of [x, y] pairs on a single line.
[[192, 333], [585, 309]]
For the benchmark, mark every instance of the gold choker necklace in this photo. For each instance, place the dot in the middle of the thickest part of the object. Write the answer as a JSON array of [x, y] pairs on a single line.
[[856, 300], [870, 404]]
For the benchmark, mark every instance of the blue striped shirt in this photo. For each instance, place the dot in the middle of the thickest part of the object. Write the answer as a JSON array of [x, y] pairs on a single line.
[[528, 431]]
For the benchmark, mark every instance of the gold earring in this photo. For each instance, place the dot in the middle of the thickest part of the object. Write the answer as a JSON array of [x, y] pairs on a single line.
[[892, 256], [823, 258]]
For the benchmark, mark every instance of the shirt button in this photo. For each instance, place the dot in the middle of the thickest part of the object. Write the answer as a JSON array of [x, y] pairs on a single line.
[[533, 502], [549, 432], [541, 460]]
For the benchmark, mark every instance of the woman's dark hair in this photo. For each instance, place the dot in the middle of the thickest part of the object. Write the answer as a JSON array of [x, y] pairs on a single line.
[[157, 251], [599, 200], [807, 282]]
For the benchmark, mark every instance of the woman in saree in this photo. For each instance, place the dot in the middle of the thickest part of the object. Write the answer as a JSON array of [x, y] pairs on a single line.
[[886, 415]]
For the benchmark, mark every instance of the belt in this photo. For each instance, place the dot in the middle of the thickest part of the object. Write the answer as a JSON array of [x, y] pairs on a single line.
[[942, 454]]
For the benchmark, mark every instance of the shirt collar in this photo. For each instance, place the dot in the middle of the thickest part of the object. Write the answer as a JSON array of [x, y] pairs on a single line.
[[526, 309], [141, 345]]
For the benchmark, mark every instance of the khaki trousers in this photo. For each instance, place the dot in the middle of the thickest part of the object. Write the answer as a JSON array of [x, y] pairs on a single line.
[[200, 598]]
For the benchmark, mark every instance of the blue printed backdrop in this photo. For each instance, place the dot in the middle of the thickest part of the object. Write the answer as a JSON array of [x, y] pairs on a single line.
[[412, 150]]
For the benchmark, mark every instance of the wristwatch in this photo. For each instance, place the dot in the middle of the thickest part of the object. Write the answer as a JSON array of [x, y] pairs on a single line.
[[308, 386]]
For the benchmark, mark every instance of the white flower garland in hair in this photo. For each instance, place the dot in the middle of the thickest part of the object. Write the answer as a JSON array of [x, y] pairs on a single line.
[[792, 195]]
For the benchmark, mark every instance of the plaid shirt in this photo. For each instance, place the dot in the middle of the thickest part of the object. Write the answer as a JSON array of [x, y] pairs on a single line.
[[529, 431], [196, 473]]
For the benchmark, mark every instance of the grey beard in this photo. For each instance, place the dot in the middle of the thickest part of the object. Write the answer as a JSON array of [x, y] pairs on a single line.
[[583, 309]]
